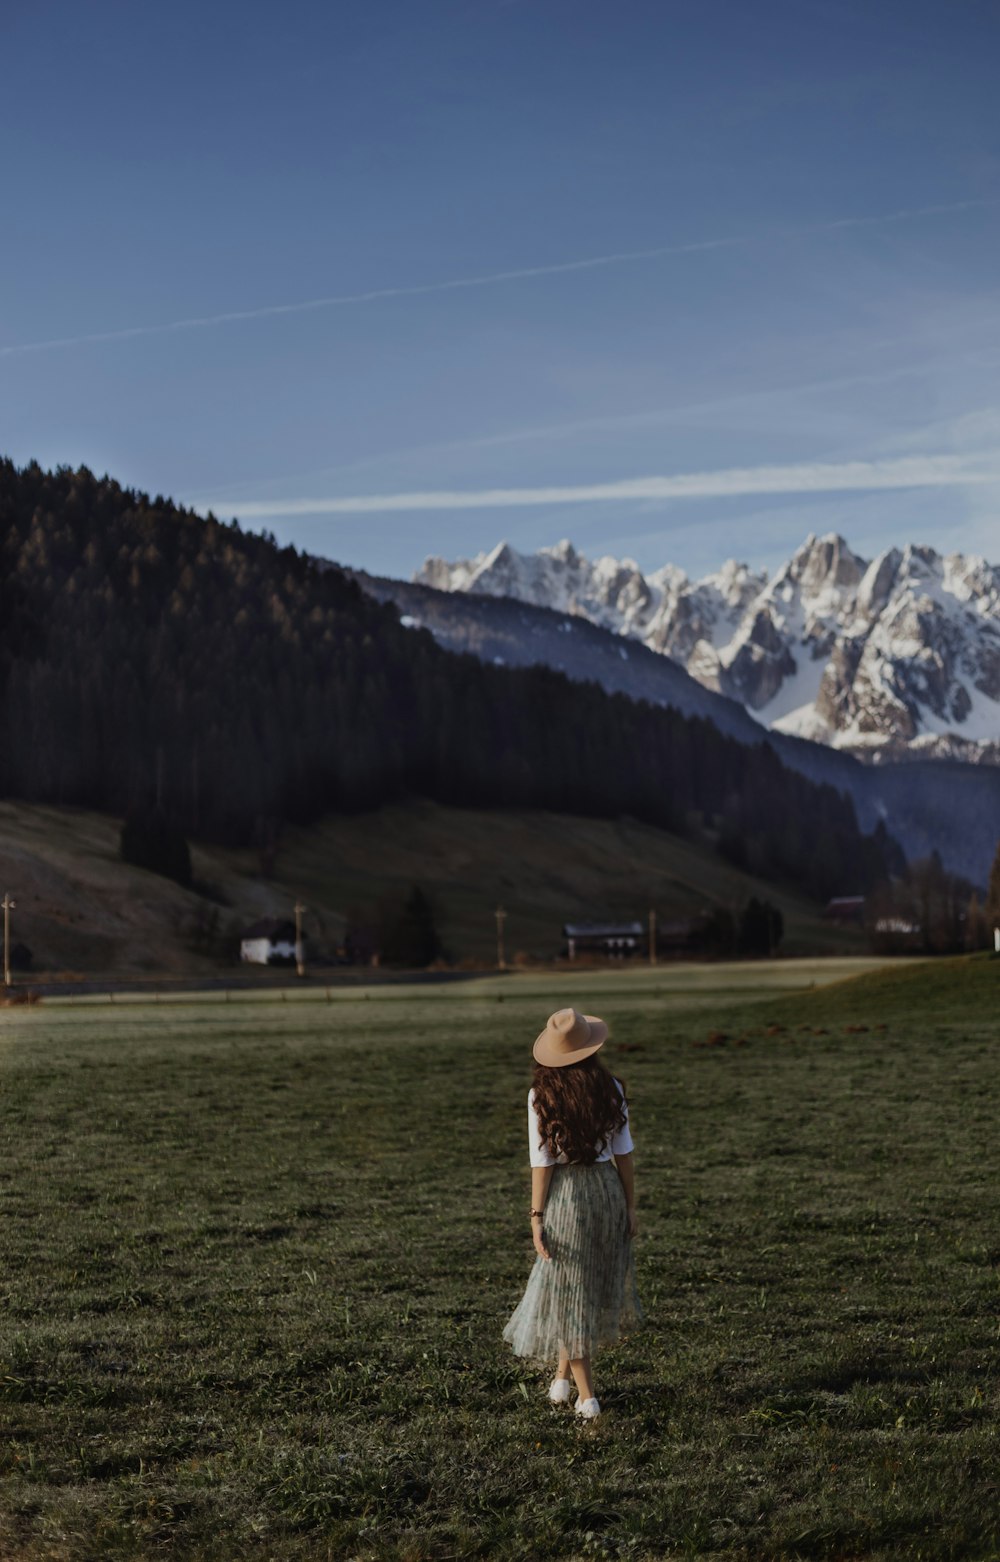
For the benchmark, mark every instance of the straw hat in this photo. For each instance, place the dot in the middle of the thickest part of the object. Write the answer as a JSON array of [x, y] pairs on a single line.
[[568, 1037]]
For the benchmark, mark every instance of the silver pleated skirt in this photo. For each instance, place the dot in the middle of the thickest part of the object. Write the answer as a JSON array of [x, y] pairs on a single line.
[[586, 1295]]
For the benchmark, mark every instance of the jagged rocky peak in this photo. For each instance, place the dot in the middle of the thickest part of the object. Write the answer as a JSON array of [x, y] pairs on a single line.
[[500, 572], [736, 577], [502, 564], [893, 655], [921, 562], [972, 579], [669, 577], [878, 580], [822, 565], [736, 585], [760, 660], [440, 574], [562, 553]]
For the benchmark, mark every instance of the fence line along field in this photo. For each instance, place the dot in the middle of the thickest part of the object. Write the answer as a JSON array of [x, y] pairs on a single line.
[[258, 1257]]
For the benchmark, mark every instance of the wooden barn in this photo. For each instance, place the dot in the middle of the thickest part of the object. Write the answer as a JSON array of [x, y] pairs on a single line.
[[616, 940]]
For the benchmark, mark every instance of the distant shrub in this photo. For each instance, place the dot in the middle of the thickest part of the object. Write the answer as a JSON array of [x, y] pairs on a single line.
[[410, 936], [718, 932], [203, 932], [761, 927]]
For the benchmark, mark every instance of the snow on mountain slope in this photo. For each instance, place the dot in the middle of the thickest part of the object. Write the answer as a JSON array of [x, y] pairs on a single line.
[[893, 657]]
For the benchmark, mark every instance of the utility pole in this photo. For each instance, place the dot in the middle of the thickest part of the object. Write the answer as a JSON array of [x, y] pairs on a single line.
[[652, 935], [500, 915], [300, 964], [8, 906]]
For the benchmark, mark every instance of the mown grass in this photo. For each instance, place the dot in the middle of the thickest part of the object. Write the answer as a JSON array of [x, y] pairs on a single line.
[[257, 1261]]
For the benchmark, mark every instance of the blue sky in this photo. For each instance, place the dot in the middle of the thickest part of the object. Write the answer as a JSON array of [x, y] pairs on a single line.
[[231, 234]]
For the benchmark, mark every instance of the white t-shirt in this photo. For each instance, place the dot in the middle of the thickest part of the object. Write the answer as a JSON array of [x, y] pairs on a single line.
[[539, 1154]]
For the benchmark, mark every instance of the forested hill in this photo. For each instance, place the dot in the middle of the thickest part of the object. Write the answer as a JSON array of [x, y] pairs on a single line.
[[148, 655]]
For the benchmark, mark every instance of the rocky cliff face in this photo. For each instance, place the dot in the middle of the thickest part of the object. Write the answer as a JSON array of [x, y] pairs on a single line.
[[893, 657]]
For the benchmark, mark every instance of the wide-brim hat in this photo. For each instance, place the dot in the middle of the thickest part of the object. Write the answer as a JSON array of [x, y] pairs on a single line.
[[568, 1037]]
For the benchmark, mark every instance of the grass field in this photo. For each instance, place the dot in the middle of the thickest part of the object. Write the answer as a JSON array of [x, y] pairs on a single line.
[[258, 1256]]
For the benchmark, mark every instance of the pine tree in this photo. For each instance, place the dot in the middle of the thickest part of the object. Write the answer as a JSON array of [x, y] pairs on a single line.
[[976, 933], [761, 927], [411, 937], [993, 894]]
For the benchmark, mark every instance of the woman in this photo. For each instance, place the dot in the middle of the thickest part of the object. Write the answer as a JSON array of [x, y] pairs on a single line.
[[581, 1291]]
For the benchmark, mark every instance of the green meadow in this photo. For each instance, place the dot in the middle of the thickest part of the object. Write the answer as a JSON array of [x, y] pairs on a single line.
[[258, 1255]]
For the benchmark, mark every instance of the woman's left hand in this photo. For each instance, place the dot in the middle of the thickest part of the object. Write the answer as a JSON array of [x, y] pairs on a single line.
[[633, 1223], [539, 1239]]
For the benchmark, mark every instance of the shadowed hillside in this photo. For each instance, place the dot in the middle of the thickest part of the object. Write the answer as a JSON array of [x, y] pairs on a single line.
[[81, 909]]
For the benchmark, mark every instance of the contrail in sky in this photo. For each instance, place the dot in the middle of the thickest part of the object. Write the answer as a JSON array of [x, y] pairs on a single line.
[[945, 471], [491, 279]]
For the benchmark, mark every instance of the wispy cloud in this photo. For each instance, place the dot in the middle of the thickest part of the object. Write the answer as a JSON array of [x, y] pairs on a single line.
[[652, 417], [928, 471], [490, 279]]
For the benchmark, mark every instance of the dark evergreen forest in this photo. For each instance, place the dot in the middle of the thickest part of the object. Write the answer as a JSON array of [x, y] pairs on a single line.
[[152, 658]]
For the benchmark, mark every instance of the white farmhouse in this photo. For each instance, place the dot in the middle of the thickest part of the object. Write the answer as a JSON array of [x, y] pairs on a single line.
[[268, 940]]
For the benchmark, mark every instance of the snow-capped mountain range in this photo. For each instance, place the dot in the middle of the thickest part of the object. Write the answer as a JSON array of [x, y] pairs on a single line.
[[893, 657]]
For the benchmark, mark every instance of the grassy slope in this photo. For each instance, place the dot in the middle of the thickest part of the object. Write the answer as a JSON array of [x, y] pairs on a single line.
[[259, 1257], [80, 908]]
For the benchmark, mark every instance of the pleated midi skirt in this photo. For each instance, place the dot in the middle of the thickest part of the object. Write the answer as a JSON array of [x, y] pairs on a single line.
[[586, 1295]]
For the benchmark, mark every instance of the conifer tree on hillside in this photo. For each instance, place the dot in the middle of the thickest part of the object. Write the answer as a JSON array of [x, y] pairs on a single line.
[[992, 907], [977, 933], [761, 927], [410, 935], [153, 659]]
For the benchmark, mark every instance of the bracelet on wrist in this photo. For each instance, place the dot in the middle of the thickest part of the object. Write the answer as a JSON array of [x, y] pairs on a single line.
[[533, 1212]]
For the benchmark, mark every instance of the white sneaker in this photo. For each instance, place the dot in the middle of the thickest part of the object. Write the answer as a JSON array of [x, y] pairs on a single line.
[[560, 1390], [588, 1407]]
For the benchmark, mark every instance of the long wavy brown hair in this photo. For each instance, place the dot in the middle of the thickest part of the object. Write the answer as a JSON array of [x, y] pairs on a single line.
[[578, 1108]]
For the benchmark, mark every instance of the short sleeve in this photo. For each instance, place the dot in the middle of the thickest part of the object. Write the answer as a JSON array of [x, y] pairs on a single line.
[[621, 1142], [538, 1153]]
